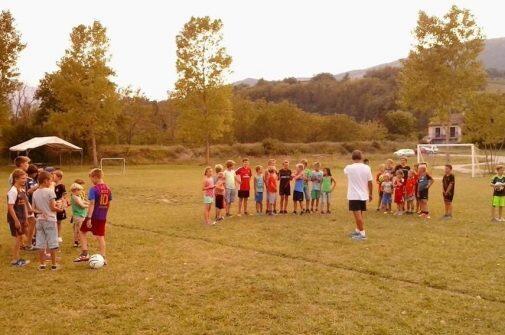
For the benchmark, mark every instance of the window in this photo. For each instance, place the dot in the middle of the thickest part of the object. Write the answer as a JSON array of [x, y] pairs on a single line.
[[452, 131], [438, 132]]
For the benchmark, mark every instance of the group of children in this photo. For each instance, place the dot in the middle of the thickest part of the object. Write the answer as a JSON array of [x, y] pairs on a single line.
[[37, 203], [311, 192]]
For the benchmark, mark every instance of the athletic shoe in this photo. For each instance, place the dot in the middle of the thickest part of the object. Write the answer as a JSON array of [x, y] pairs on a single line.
[[27, 248], [20, 263], [359, 237], [354, 233], [295, 212], [82, 258], [55, 267], [501, 219], [239, 215], [60, 240], [220, 219], [76, 244], [42, 267]]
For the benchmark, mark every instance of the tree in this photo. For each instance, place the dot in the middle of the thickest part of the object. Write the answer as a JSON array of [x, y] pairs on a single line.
[[10, 47], [136, 114], [81, 91], [443, 71], [485, 124], [400, 123], [203, 99]]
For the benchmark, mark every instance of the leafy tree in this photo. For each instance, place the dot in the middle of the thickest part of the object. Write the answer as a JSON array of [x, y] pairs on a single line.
[[203, 99], [485, 124], [80, 95], [443, 71], [10, 47], [135, 116], [400, 123]]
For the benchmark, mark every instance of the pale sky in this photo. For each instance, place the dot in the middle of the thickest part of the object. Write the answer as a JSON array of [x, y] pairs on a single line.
[[272, 39]]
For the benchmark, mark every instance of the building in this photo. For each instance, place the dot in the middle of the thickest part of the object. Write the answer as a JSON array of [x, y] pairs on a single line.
[[436, 130]]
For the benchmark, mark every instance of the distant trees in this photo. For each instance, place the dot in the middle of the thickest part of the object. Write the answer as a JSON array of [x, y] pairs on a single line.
[[10, 47], [203, 99], [401, 123], [443, 72]]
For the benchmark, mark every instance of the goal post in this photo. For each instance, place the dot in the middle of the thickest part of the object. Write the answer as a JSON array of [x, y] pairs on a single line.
[[119, 160], [433, 150]]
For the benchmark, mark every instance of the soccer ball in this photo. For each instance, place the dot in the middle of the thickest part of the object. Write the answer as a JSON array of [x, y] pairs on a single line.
[[499, 186], [96, 261]]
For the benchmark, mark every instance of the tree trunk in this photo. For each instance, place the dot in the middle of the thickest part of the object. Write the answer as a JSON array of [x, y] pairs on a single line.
[[207, 151], [93, 149], [447, 141]]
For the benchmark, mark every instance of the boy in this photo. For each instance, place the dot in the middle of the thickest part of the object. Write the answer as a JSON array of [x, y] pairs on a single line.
[[99, 197], [231, 180], [16, 214], [61, 193], [79, 210], [31, 186], [244, 173], [498, 185], [219, 194], [410, 192], [271, 182], [284, 186], [259, 186], [271, 164], [424, 183], [379, 178], [387, 193], [359, 190], [299, 178], [448, 183], [315, 194], [22, 163], [44, 205], [307, 173]]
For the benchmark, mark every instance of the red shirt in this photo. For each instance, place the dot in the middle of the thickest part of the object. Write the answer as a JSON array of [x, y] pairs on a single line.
[[410, 186], [245, 178], [272, 182]]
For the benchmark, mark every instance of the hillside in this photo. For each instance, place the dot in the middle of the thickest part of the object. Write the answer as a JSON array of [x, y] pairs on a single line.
[[493, 57]]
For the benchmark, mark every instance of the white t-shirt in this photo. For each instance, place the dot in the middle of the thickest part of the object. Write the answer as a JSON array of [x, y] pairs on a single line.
[[12, 195], [42, 201], [358, 176], [229, 176]]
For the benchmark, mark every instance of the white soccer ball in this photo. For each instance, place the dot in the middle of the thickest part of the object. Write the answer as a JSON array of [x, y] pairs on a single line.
[[499, 186], [96, 261]]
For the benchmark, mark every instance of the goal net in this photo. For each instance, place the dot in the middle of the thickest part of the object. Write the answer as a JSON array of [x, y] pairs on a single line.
[[464, 158], [113, 165]]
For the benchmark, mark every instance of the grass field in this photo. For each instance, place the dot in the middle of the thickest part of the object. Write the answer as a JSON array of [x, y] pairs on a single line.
[[169, 274]]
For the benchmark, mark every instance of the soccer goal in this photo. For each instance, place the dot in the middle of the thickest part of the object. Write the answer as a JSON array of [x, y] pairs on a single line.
[[115, 165], [462, 156]]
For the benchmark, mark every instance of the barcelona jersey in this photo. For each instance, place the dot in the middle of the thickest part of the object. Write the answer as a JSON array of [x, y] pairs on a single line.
[[102, 196]]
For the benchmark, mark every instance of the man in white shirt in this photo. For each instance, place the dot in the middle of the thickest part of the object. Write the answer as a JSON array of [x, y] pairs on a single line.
[[359, 190]]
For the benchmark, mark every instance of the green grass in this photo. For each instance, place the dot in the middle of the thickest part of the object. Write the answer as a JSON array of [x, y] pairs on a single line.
[[169, 274]]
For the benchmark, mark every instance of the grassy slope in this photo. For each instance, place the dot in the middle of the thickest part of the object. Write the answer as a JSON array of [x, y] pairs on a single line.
[[284, 274]]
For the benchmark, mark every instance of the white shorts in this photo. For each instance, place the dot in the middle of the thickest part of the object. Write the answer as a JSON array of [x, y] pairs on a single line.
[[271, 198]]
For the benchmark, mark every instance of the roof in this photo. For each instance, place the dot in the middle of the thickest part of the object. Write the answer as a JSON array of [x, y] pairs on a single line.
[[49, 141], [456, 120]]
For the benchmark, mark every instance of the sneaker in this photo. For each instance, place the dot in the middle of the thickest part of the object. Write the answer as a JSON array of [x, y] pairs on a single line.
[[76, 244], [228, 215], [302, 212], [220, 219], [359, 237], [239, 215], [20, 263], [295, 212], [27, 248], [501, 219], [60, 240], [55, 267], [42, 267], [354, 233], [82, 258]]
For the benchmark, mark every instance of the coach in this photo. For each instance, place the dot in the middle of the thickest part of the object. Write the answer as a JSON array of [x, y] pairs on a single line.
[[359, 190]]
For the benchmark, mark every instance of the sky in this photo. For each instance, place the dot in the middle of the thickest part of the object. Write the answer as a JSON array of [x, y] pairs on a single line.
[[271, 39]]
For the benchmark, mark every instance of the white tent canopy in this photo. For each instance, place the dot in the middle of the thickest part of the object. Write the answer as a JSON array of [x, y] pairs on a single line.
[[52, 142]]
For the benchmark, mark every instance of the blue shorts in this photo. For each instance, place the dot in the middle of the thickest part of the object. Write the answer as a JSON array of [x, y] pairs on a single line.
[[386, 198], [258, 197], [229, 195]]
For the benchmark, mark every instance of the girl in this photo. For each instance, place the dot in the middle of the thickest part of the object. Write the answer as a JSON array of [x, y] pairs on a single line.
[[410, 192], [208, 194], [219, 192], [79, 210], [387, 190], [399, 185], [424, 183], [299, 178], [379, 179], [390, 167], [271, 181], [327, 186]]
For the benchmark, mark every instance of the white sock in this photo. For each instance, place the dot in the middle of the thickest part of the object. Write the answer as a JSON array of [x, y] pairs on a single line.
[[357, 230], [362, 233]]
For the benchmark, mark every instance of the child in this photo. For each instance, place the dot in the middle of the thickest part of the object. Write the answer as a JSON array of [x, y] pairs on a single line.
[[231, 180], [99, 197], [219, 195], [271, 181], [315, 194], [424, 183], [299, 178], [79, 210], [259, 183], [208, 194], [498, 184], [448, 184], [61, 201], [327, 186], [387, 193], [244, 173], [307, 174], [217, 169], [271, 163], [16, 214], [46, 208], [379, 179], [399, 186], [22, 163], [390, 167], [284, 186], [31, 186], [410, 192], [416, 177]]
